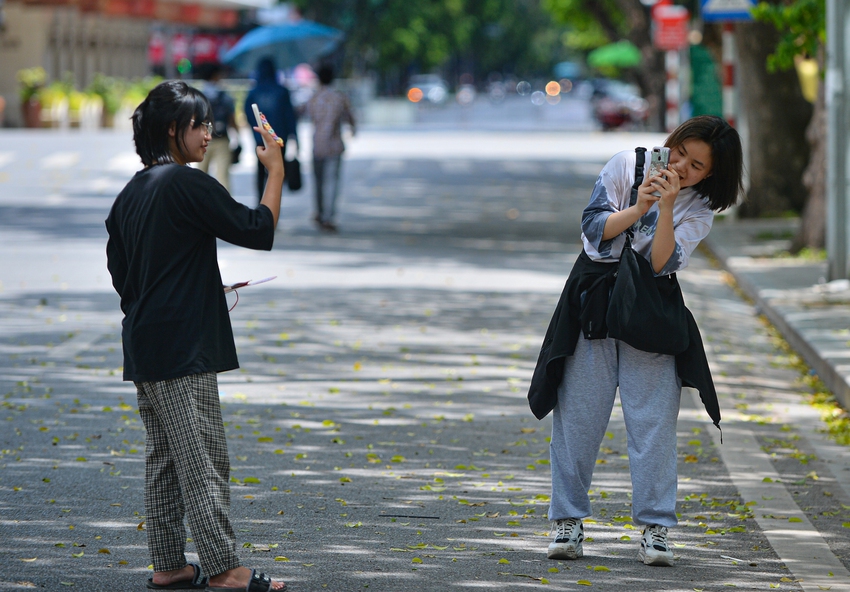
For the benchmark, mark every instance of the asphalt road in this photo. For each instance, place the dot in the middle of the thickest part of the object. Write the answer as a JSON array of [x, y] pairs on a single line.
[[379, 432]]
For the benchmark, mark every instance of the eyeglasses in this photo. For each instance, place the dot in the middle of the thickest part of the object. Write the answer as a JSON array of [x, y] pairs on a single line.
[[207, 125]]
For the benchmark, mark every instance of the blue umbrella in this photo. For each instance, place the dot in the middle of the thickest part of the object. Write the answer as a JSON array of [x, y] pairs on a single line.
[[289, 44]]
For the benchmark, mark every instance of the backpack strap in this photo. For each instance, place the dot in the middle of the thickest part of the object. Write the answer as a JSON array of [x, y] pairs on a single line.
[[640, 154], [640, 159]]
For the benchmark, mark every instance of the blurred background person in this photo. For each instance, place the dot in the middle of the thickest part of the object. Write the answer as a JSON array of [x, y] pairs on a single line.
[[219, 151], [274, 101], [328, 108]]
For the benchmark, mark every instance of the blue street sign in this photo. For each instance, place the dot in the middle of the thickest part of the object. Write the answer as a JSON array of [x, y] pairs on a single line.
[[726, 10]]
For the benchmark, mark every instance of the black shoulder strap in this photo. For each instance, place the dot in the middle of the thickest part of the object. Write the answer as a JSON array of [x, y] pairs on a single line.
[[640, 158], [640, 154]]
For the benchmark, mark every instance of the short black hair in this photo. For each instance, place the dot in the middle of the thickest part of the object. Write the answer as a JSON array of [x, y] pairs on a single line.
[[726, 179], [169, 102], [325, 74]]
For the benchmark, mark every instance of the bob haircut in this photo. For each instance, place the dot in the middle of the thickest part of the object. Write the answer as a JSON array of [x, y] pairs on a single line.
[[725, 181], [169, 102]]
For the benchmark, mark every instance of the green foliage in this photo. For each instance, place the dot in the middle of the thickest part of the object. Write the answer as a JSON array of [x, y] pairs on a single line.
[[802, 24], [133, 92], [477, 36], [592, 23], [108, 89], [32, 80], [112, 91], [585, 40]]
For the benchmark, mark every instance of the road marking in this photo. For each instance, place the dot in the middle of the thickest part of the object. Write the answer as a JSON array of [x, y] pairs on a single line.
[[387, 166], [456, 166], [124, 162], [517, 167], [798, 544], [6, 158], [60, 160]]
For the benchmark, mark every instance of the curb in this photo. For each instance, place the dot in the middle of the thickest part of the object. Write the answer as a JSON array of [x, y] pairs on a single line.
[[836, 381]]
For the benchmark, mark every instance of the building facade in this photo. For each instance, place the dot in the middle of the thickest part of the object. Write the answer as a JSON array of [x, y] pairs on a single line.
[[80, 38]]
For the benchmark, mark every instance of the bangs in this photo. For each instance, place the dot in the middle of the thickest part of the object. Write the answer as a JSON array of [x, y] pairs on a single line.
[[193, 106], [201, 108]]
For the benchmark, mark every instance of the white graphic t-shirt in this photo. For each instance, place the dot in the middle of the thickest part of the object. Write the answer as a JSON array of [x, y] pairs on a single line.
[[692, 217]]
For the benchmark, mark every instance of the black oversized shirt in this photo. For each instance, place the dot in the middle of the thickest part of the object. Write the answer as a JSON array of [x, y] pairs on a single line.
[[162, 256]]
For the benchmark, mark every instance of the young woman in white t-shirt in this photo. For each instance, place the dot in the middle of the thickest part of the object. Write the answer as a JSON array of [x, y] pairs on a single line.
[[672, 214]]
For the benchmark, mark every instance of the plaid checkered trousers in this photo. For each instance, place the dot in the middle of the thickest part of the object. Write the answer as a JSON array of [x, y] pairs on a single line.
[[187, 473]]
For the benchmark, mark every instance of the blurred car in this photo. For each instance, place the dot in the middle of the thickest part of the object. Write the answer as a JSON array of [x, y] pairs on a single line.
[[465, 94], [617, 104], [428, 88]]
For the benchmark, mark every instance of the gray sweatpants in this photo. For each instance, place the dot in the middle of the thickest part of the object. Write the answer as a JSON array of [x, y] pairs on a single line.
[[650, 392]]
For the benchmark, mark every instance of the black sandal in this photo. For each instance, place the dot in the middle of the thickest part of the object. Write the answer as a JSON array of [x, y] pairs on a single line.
[[259, 582], [196, 583]]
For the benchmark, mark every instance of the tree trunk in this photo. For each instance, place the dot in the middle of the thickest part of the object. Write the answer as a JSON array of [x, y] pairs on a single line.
[[652, 76], [812, 232], [777, 116]]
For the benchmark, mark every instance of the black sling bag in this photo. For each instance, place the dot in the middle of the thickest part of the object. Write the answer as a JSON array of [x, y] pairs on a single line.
[[646, 311]]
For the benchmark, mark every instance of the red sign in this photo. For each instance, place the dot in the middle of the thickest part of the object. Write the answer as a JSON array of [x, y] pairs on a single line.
[[670, 30], [156, 49], [205, 48]]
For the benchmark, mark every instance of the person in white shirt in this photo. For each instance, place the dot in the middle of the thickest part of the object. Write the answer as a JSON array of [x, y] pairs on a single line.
[[671, 215]]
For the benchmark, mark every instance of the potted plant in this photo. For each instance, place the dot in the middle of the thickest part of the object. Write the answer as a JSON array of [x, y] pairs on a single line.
[[109, 91], [32, 80]]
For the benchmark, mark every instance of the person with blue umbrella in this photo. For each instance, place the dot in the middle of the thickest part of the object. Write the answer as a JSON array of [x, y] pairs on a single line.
[[274, 102]]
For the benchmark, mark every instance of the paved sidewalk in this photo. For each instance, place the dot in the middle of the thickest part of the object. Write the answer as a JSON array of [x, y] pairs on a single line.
[[812, 315], [378, 429], [814, 318]]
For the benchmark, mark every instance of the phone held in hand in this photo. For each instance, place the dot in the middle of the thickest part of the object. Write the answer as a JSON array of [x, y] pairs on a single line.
[[264, 123], [658, 160]]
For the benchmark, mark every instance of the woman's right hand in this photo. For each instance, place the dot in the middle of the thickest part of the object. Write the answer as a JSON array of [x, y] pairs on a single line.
[[269, 153], [645, 197]]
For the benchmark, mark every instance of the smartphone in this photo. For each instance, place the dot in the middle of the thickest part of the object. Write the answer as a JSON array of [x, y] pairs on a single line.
[[658, 160], [264, 123], [258, 117]]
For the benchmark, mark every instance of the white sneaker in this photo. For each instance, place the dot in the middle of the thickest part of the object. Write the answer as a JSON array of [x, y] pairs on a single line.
[[654, 549], [569, 534]]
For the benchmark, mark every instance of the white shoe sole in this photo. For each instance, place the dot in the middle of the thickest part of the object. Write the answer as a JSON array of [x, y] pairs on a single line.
[[562, 551], [660, 560]]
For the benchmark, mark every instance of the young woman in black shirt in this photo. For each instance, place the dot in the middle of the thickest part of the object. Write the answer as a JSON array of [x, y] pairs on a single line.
[[176, 331]]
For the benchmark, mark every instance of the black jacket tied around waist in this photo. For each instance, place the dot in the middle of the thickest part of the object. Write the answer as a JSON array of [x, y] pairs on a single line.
[[581, 310]]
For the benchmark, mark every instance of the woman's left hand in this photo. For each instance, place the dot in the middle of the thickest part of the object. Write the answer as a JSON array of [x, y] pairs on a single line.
[[667, 184]]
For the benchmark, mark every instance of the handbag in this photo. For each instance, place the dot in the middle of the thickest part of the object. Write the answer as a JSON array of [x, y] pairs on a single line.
[[292, 173], [646, 311], [235, 153]]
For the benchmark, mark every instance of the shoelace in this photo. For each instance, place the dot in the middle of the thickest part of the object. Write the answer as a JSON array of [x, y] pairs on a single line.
[[658, 537], [566, 527]]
